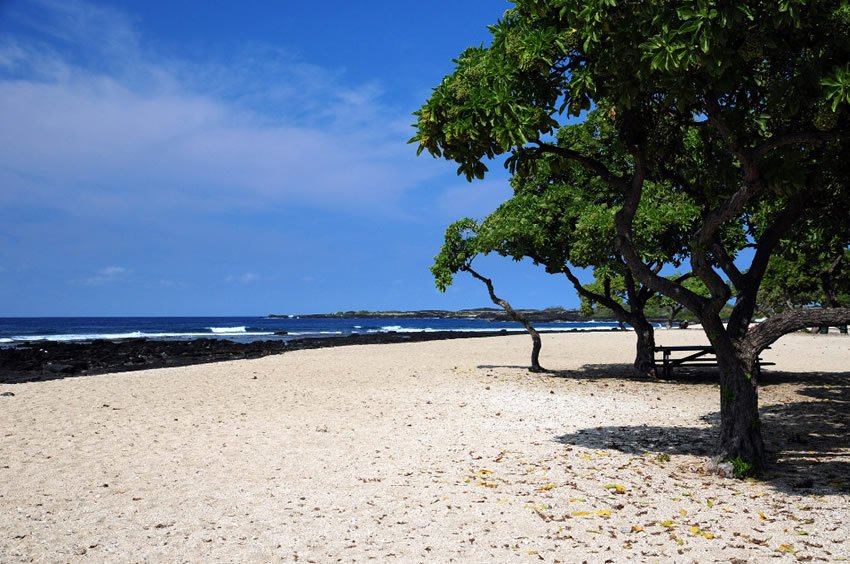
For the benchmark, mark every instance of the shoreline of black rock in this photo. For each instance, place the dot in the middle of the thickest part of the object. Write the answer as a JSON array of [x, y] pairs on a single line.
[[50, 360]]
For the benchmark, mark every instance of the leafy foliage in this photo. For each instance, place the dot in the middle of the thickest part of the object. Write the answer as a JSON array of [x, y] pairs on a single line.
[[737, 112]]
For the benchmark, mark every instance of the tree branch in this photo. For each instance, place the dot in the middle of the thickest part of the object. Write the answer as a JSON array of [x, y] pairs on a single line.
[[771, 329], [618, 310], [807, 137], [590, 164], [623, 221]]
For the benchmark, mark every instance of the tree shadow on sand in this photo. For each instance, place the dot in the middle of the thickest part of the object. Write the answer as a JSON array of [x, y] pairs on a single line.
[[807, 441]]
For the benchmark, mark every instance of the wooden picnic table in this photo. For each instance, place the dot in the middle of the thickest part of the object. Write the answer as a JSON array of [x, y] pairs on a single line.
[[700, 355]]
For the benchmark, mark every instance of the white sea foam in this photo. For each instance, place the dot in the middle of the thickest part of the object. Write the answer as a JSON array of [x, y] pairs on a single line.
[[130, 335], [302, 333], [228, 330]]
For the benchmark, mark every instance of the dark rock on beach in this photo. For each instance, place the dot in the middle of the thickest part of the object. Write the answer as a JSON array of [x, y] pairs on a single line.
[[48, 360]]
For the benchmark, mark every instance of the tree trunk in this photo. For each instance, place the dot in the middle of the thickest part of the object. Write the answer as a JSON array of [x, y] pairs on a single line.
[[740, 438], [645, 351], [537, 343], [740, 426], [634, 316]]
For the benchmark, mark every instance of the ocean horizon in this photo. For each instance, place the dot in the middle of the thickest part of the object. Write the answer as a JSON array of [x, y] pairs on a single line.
[[16, 330]]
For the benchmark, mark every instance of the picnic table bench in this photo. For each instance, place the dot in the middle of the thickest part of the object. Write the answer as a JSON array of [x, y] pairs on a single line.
[[700, 355]]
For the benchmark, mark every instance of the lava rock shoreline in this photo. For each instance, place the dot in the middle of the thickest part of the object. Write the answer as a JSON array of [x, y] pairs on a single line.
[[50, 360]]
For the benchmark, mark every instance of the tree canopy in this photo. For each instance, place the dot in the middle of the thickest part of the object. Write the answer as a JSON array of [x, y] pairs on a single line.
[[740, 107]]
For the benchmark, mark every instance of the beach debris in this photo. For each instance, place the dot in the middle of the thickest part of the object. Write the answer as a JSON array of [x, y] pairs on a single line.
[[615, 488], [7, 394]]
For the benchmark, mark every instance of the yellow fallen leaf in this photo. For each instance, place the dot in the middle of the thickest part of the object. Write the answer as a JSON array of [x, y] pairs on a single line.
[[668, 524], [637, 528], [502, 500], [577, 500], [762, 516], [586, 457], [787, 548], [484, 472], [708, 536], [695, 530], [601, 513], [547, 487], [617, 488], [682, 512], [541, 507], [531, 552], [487, 484], [709, 503]]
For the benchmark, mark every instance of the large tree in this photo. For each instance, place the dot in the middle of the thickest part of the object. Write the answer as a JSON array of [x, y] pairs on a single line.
[[743, 106]]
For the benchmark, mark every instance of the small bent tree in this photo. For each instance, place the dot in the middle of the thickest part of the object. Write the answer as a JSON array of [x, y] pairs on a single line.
[[562, 218], [459, 249], [742, 106]]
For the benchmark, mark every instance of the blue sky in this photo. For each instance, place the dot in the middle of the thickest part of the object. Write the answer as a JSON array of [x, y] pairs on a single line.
[[223, 158]]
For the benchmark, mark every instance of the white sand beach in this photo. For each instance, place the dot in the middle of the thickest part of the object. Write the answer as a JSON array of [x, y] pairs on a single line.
[[424, 452]]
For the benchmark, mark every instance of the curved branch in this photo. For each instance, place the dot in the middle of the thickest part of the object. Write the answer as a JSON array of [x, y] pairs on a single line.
[[590, 164], [771, 329], [727, 264], [808, 137], [618, 310], [623, 222]]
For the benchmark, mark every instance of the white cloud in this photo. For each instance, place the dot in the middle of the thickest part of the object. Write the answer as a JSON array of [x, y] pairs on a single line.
[[138, 132], [106, 275], [172, 284], [245, 278]]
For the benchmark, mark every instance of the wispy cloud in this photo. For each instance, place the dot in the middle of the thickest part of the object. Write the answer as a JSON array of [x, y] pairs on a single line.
[[106, 275], [95, 113], [245, 278]]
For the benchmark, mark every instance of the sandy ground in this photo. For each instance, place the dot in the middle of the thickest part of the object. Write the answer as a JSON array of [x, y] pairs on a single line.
[[427, 452]]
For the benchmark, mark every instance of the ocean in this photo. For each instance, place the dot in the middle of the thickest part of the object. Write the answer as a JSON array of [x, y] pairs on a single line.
[[247, 329]]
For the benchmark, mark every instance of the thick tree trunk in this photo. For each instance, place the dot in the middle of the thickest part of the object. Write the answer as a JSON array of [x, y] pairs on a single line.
[[740, 437], [537, 343], [740, 426], [645, 350]]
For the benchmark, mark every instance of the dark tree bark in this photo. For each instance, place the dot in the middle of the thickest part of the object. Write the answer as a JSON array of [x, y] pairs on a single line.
[[645, 347], [537, 344]]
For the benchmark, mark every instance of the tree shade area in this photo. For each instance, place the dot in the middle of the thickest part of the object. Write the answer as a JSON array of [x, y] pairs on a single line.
[[642, 134]]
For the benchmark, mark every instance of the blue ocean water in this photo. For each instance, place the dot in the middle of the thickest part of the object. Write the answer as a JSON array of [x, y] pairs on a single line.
[[245, 329]]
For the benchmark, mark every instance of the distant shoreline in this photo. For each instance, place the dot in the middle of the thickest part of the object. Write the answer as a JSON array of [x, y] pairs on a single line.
[[50, 360], [487, 314]]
